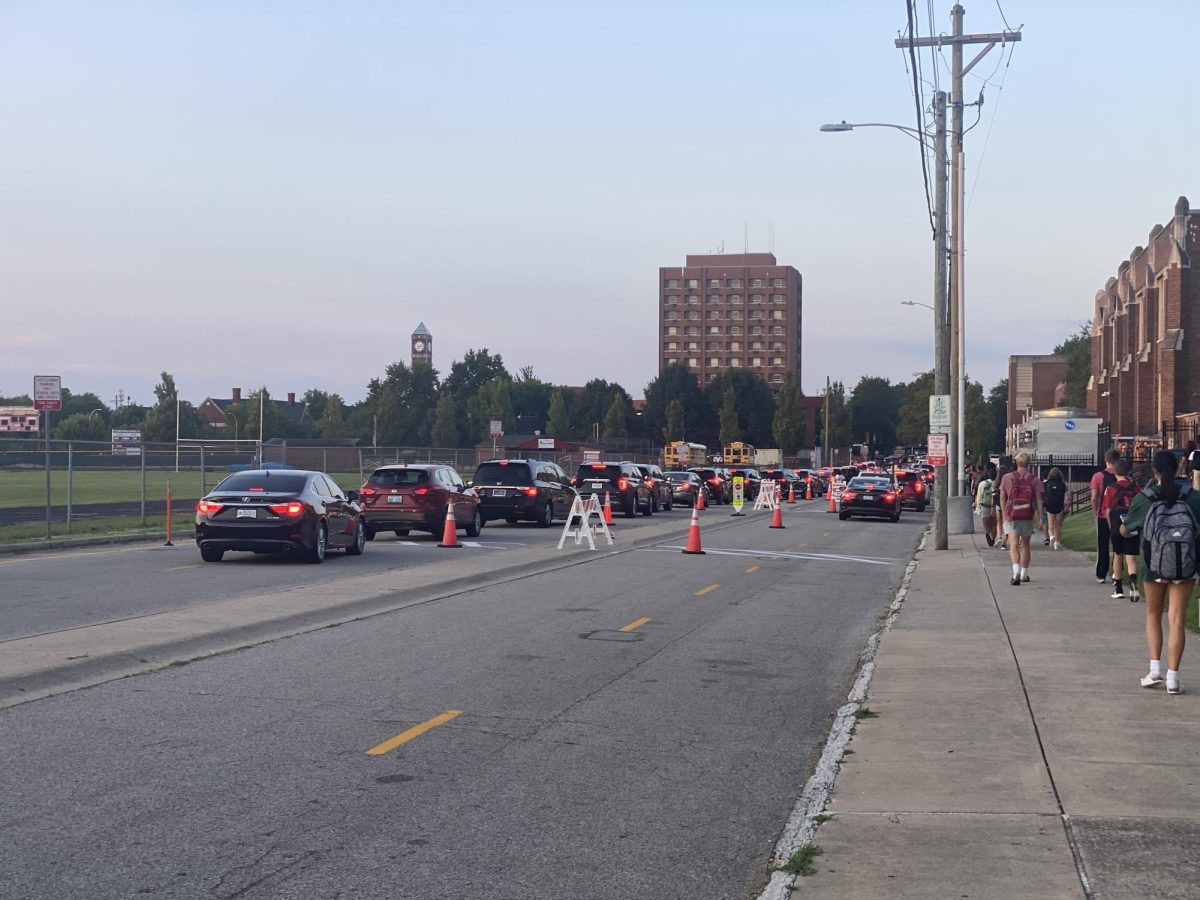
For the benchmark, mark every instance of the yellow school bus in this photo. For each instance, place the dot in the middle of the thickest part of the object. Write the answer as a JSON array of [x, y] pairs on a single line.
[[681, 454], [738, 453]]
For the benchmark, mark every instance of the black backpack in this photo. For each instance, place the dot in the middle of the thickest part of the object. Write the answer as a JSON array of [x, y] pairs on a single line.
[[1054, 492], [1120, 506]]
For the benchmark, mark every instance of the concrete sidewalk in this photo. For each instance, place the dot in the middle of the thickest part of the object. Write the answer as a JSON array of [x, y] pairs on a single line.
[[1013, 753]]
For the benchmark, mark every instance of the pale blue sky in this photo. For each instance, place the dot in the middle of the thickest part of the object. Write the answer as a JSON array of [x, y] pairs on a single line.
[[279, 191]]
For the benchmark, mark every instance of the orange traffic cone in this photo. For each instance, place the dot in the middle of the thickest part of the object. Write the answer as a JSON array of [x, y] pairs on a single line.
[[832, 503], [699, 504], [608, 520], [777, 519], [791, 493], [693, 543], [450, 532], [808, 490]]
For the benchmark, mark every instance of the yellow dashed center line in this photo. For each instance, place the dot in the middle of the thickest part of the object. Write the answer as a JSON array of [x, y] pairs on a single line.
[[416, 731], [826, 533], [752, 569], [56, 556], [634, 625], [802, 546], [180, 568], [707, 590]]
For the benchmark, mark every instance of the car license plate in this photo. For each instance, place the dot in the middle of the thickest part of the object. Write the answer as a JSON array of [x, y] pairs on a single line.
[[247, 514], [868, 498], [395, 498], [499, 493], [596, 485]]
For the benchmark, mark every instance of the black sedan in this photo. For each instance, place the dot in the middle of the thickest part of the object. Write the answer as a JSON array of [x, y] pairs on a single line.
[[279, 511], [686, 486], [870, 496]]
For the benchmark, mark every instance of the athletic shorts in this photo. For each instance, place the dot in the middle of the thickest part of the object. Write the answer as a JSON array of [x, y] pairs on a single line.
[[1022, 527], [1126, 546]]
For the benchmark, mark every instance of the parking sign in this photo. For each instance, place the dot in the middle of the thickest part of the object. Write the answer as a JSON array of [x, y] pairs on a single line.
[[47, 392], [937, 449]]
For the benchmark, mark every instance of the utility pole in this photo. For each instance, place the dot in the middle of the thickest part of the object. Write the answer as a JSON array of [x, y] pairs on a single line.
[[957, 40], [825, 444], [941, 321]]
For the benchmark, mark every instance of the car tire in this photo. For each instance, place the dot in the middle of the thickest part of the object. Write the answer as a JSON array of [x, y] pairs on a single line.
[[920, 507], [355, 547], [476, 524], [401, 532], [547, 518], [209, 555], [316, 555], [648, 511], [843, 516], [896, 517], [670, 505], [653, 504], [368, 533], [511, 520], [631, 508]]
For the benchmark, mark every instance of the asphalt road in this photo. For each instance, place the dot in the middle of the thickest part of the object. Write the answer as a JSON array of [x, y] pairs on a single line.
[[637, 726]]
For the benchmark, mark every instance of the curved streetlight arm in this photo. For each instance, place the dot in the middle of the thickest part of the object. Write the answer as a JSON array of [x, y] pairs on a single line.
[[915, 303], [850, 126]]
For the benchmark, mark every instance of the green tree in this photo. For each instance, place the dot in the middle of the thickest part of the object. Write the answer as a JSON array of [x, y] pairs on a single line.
[[332, 422], [129, 416], [530, 400], [977, 422], [469, 374], [841, 433], [914, 412], [873, 411], [997, 402], [493, 401], [754, 403], [1078, 351], [592, 406], [17, 400], [788, 425], [730, 429], [676, 382], [615, 420], [674, 429], [558, 424], [82, 427], [446, 431], [84, 403], [403, 404], [159, 423]]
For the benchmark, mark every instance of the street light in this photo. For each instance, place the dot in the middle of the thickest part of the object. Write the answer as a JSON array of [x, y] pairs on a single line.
[[915, 303], [94, 411], [941, 321]]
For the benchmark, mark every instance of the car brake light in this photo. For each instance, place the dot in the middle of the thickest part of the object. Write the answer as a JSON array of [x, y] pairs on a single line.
[[208, 508], [622, 484], [504, 462], [920, 488], [714, 481], [849, 495], [531, 491], [598, 466], [686, 486], [888, 498], [260, 490], [367, 491], [649, 482], [421, 492], [291, 508]]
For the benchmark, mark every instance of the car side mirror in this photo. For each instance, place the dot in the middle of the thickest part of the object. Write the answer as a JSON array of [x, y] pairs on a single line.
[[352, 496]]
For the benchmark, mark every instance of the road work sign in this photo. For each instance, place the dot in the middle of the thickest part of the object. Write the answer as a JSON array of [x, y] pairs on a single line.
[[739, 494], [767, 496], [579, 522]]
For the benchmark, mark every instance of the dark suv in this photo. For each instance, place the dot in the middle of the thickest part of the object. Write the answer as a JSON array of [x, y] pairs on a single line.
[[522, 489], [752, 480], [661, 493], [719, 486], [623, 481]]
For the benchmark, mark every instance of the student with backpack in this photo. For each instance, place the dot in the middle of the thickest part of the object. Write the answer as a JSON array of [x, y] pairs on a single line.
[[1006, 466], [1165, 514], [1021, 506], [1054, 498], [1115, 506], [1099, 483], [984, 504]]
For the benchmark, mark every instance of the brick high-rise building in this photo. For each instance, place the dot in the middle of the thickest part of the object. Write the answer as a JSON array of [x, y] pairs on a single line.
[[1032, 384], [1146, 335], [731, 311]]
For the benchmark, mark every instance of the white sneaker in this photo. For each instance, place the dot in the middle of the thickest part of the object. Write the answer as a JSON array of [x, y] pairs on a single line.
[[1149, 681], [1057, 545], [1176, 688], [1118, 594]]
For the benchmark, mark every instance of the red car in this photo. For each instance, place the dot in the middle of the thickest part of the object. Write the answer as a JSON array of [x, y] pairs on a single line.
[[415, 498], [912, 489]]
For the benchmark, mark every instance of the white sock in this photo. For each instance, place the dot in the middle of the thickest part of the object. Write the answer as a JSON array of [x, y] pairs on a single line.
[[1155, 669], [1172, 677], [1016, 570], [1024, 572]]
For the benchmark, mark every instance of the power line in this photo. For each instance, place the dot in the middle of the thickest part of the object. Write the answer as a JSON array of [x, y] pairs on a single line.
[[992, 121], [917, 97], [1002, 19]]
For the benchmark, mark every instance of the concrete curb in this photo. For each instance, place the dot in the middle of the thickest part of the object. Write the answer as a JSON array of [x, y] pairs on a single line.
[[802, 823], [73, 674]]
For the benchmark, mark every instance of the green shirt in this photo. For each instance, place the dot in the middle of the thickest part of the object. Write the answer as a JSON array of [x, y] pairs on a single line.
[[1139, 508]]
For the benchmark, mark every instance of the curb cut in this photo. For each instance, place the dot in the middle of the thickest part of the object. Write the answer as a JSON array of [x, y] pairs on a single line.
[[802, 825]]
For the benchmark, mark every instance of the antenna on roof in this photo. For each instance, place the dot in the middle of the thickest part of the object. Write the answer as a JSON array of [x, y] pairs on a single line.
[[745, 235], [771, 234]]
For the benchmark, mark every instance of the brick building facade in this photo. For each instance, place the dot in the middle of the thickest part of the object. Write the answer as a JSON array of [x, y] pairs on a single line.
[[1146, 334], [730, 311], [1034, 382]]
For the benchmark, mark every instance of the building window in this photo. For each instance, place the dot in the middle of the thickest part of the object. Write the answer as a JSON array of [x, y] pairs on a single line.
[[693, 313], [777, 360], [756, 314], [672, 282], [693, 363], [735, 282], [714, 282], [735, 329], [777, 298], [672, 301], [735, 299], [735, 314], [756, 363], [756, 329], [693, 300], [671, 346], [756, 282], [778, 329], [671, 315], [692, 331], [777, 314], [713, 314], [735, 363], [735, 346], [692, 283], [777, 347], [777, 378], [693, 346], [756, 345], [711, 346], [714, 329], [713, 362], [776, 282], [671, 329], [714, 298], [756, 298]]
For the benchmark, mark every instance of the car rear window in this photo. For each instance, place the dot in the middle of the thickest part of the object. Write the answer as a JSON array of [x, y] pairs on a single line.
[[599, 470], [264, 482], [513, 474], [908, 476], [682, 476], [398, 477]]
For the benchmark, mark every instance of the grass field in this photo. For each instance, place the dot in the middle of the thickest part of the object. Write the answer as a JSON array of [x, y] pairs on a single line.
[[182, 524], [28, 487], [1079, 533]]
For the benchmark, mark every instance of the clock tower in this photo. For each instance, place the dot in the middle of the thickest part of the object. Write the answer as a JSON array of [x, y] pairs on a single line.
[[422, 346]]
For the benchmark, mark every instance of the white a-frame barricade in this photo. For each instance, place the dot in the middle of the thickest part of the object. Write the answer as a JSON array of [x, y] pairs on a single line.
[[768, 496], [579, 522]]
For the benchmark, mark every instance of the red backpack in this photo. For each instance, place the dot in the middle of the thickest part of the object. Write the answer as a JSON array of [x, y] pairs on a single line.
[[1021, 496]]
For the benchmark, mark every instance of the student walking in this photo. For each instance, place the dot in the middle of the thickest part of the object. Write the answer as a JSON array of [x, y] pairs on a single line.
[[984, 506], [1054, 496], [1165, 514], [1115, 504], [1021, 506], [1193, 465], [1100, 481], [1003, 469]]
